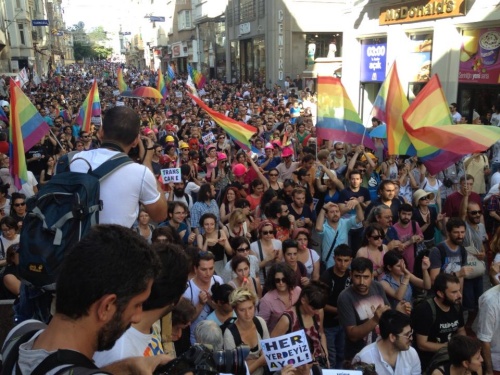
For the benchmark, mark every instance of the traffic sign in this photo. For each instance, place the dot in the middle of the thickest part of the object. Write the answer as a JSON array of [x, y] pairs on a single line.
[[40, 22], [156, 19]]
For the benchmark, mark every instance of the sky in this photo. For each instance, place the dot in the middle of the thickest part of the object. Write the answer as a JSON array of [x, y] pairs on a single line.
[[92, 13]]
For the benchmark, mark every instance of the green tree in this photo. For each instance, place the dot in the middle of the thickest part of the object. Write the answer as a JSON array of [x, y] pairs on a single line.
[[82, 51], [98, 35], [101, 52]]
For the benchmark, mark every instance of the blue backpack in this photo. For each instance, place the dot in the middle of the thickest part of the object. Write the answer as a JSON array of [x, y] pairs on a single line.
[[59, 215]]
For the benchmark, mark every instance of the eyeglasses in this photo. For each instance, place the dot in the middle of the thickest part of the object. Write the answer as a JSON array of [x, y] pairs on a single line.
[[279, 280], [407, 335], [273, 175], [242, 249], [376, 238], [180, 213], [340, 149], [19, 204], [475, 213], [362, 170], [266, 232]]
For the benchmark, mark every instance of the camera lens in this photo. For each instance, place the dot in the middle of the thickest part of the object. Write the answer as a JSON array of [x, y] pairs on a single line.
[[231, 361]]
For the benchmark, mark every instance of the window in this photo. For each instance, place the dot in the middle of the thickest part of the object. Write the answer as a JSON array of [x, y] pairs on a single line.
[[21, 33], [247, 10], [184, 20]]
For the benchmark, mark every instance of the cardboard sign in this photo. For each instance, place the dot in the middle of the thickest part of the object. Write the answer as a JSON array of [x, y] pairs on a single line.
[[171, 175], [209, 137], [178, 94], [116, 92], [120, 104], [290, 349]]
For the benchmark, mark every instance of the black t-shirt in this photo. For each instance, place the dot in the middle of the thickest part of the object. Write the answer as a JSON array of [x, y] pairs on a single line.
[[441, 330], [306, 212], [347, 194], [429, 232], [395, 204], [336, 284], [36, 166]]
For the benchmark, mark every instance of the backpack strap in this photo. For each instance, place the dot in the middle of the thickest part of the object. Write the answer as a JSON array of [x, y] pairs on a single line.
[[432, 305], [262, 258], [442, 253], [109, 166], [236, 334], [63, 357], [260, 330]]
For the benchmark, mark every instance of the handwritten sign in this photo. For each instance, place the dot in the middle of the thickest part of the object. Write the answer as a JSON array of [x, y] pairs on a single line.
[[171, 175], [178, 94], [209, 137], [116, 92], [290, 349]]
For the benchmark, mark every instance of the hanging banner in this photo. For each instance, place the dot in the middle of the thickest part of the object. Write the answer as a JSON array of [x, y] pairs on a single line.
[[479, 61]]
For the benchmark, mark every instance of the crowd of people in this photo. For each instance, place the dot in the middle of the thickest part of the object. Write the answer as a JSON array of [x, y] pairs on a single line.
[[376, 259]]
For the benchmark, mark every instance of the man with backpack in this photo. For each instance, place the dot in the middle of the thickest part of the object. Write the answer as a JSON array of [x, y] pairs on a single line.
[[102, 285], [436, 320]]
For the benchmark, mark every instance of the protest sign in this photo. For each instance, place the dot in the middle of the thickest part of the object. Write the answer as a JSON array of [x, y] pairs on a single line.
[[341, 372], [209, 137], [289, 349], [171, 175]]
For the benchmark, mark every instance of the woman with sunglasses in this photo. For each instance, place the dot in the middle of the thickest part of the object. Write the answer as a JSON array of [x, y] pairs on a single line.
[[308, 257], [222, 145], [274, 184], [281, 293], [373, 248], [307, 314], [231, 195], [427, 216], [290, 250], [267, 249], [241, 246], [18, 208], [240, 266]]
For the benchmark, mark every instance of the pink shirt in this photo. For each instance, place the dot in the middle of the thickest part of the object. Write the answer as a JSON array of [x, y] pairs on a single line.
[[271, 307]]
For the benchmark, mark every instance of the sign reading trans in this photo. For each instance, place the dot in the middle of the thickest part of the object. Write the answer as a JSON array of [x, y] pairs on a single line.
[[157, 19], [40, 22]]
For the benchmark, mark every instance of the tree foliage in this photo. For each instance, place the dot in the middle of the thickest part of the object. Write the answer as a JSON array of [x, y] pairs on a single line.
[[94, 49], [82, 51]]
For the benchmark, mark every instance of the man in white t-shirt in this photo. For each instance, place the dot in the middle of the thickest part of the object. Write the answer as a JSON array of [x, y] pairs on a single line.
[[125, 188]]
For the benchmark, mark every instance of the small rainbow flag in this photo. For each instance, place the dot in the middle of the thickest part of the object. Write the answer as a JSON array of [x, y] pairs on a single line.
[[197, 77], [170, 73], [122, 86], [430, 127], [26, 129], [337, 118], [388, 107], [91, 107], [239, 131], [161, 86]]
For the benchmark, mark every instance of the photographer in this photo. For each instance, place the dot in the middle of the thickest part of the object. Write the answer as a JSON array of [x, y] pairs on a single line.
[[131, 184]]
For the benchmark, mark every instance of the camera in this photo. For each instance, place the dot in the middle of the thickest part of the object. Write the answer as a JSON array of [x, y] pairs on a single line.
[[200, 360]]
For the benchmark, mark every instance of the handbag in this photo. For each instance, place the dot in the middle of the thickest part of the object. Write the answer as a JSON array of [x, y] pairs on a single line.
[[479, 268]]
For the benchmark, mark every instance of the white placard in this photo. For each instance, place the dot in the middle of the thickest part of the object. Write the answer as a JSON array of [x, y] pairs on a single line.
[[341, 372], [209, 137], [171, 175], [116, 92], [290, 349], [120, 104], [178, 94]]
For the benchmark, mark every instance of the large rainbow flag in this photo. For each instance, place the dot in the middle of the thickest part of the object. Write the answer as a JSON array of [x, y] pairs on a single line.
[[389, 106], [122, 86], [91, 107], [26, 129], [161, 86], [239, 131], [337, 118], [430, 127]]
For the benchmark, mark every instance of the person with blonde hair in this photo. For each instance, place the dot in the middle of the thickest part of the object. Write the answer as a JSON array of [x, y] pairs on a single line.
[[237, 225]]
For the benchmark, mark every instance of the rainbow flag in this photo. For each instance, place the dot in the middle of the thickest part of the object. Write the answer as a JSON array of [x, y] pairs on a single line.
[[430, 127], [91, 107], [239, 131], [170, 73], [197, 77], [388, 107], [161, 86], [3, 116], [26, 129], [65, 114], [337, 118], [122, 86]]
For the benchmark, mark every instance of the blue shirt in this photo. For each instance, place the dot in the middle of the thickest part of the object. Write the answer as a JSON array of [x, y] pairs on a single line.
[[201, 208], [182, 227], [328, 234]]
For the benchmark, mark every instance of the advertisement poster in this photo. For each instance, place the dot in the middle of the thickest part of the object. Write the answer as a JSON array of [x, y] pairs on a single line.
[[373, 60], [419, 62], [479, 56]]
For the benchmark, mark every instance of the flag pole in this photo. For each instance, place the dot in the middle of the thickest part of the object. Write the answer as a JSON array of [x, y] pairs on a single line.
[[57, 140]]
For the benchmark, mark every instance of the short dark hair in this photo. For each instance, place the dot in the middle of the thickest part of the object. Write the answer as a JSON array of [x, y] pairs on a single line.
[[220, 293], [406, 207], [442, 280], [289, 275], [391, 258], [121, 124], [393, 322], [454, 222], [110, 259], [206, 216], [462, 348], [382, 185], [183, 313], [466, 177], [342, 250], [241, 203], [169, 286], [173, 205], [237, 259], [316, 293], [361, 264], [203, 255], [285, 245], [275, 208], [167, 231], [9, 222]]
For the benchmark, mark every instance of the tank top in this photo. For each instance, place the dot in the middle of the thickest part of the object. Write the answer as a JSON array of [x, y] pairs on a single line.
[[217, 249]]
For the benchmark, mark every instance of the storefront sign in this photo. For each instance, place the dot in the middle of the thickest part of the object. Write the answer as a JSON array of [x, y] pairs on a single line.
[[178, 50], [479, 61], [422, 10], [281, 45], [373, 60]]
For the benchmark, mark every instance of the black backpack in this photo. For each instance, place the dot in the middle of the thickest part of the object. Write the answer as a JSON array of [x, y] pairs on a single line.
[[59, 215], [80, 364], [229, 324]]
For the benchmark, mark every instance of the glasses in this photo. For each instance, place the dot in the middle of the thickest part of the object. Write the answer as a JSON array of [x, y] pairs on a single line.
[[376, 238], [475, 213], [340, 149], [362, 170], [407, 335], [266, 232], [426, 198], [180, 213], [279, 280], [242, 249], [19, 204], [273, 175], [222, 137]]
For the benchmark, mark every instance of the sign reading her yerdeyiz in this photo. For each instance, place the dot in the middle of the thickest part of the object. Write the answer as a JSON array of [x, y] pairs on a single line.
[[171, 175], [289, 349]]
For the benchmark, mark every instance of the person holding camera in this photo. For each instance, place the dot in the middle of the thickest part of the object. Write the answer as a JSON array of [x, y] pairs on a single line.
[[120, 133]]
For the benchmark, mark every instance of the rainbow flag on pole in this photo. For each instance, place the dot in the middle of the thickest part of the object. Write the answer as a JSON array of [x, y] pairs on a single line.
[[26, 129], [239, 131], [389, 106], [122, 86], [197, 77], [337, 118], [161, 86], [170, 73], [91, 107], [430, 127]]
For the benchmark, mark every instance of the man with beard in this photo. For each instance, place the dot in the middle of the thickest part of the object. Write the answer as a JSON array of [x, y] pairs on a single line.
[[102, 285], [281, 219], [304, 216], [205, 204], [144, 338], [436, 319], [335, 230], [450, 256], [177, 212], [392, 354], [179, 195], [409, 233], [387, 196]]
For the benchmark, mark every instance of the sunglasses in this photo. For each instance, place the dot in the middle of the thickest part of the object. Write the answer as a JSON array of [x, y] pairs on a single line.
[[340, 149], [242, 249], [266, 232], [376, 238], [279, 280], [426, 198], [475, 213], [19, 204]]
